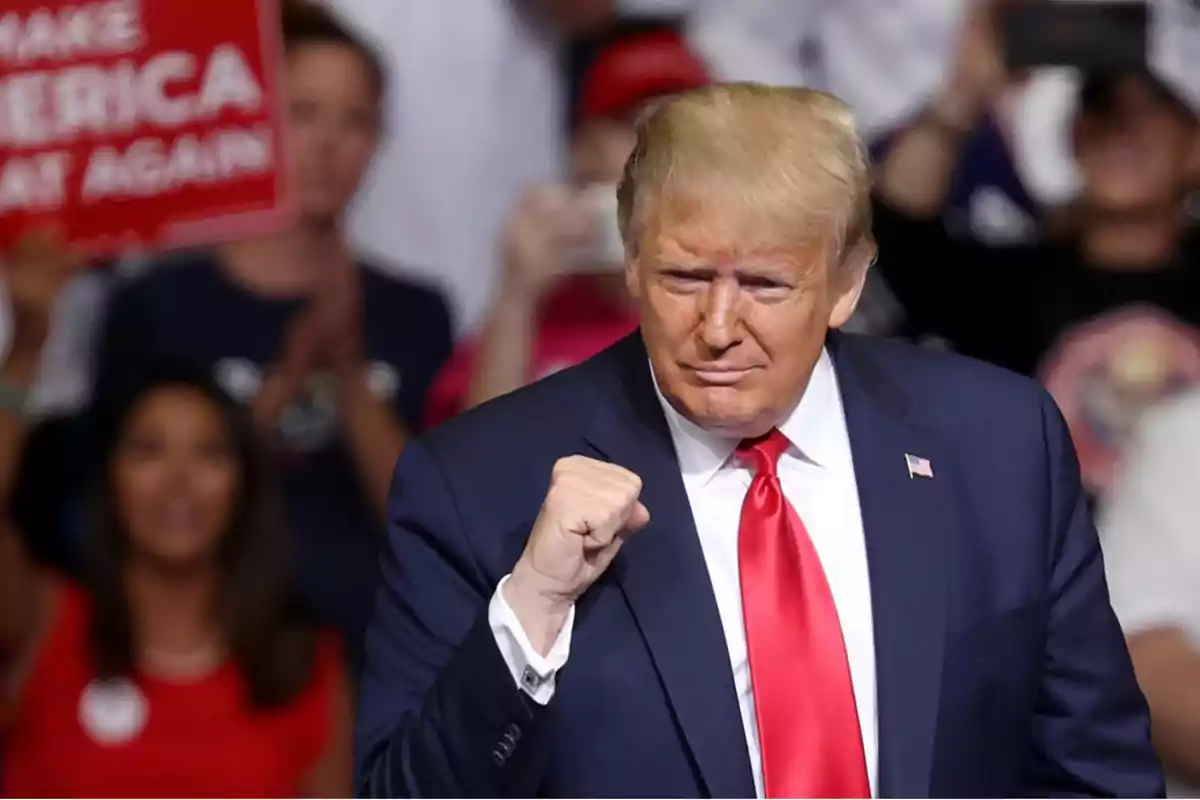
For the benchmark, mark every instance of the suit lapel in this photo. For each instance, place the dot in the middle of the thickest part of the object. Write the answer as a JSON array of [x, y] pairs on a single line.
[[663, 576], [908, 523]]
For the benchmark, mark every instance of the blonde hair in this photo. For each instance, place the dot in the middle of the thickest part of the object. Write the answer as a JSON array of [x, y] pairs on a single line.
[[784, 166]]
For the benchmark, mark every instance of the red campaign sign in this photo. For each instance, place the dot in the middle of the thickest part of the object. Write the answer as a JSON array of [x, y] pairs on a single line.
[[140, 123]]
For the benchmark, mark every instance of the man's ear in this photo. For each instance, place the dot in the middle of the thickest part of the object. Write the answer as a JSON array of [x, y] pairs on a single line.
[[849, 280], [633, 274]]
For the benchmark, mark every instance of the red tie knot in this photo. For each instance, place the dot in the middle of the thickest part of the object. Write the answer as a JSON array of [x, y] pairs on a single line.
[[763, 453]]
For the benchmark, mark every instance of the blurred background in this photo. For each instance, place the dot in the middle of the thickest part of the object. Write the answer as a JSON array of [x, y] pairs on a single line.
[[196, 446]]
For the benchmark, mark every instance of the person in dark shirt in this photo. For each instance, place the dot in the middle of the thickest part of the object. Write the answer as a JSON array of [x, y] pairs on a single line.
[[334, 357], [1108, 315]]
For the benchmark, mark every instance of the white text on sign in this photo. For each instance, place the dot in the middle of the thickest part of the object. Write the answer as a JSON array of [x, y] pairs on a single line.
[[157, 93]]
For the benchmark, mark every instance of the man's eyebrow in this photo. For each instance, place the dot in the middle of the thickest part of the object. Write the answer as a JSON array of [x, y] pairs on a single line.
[[741, 273]]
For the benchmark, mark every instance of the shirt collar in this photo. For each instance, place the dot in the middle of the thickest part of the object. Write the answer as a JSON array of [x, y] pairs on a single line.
[[808, 427]]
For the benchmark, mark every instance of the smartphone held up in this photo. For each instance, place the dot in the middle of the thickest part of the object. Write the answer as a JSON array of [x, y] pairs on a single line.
[[1087, 34]]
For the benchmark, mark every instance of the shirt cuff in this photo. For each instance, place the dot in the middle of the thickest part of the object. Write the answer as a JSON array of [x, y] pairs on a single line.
[[531, 671]]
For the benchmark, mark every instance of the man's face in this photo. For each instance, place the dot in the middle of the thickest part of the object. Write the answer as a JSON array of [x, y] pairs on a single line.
[[333, 122], [1137, 154], [733, 330]]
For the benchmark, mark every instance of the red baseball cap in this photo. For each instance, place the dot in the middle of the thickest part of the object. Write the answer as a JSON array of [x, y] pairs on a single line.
[[636, 69]]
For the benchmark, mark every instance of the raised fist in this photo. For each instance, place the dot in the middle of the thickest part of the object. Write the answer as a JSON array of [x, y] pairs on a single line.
[[590, 509]]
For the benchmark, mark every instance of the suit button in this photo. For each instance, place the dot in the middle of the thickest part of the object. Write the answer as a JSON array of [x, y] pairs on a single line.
[[514, 732], [498, 758]]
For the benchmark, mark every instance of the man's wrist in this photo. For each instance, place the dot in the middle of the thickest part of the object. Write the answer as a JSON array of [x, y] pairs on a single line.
[[542, 614]]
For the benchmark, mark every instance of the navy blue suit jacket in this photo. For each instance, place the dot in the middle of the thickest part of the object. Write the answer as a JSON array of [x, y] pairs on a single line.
[[1001, 670]]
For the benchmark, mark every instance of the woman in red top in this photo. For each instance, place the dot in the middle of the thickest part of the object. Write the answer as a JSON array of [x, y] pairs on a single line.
[[179, 669]]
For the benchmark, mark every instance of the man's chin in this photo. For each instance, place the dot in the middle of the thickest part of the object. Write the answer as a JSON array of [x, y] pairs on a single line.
[[727, 412]]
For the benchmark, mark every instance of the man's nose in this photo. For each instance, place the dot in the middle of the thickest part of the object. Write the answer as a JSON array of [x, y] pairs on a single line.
[[719, 324]]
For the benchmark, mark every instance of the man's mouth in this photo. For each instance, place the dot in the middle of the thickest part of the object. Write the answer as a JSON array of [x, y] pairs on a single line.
[[717, 375]]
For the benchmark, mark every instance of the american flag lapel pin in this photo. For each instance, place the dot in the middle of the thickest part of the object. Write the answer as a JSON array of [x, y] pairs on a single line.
[[918, 467]]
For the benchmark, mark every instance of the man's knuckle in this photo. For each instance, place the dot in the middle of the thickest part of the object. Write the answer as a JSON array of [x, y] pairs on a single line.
[[563, 466]]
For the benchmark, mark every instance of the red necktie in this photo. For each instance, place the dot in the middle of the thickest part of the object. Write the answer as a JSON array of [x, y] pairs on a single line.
[[804, 698]]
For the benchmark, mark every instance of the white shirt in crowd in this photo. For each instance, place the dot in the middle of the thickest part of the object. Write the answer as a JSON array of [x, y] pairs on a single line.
[[817, 474], [1150, 531]]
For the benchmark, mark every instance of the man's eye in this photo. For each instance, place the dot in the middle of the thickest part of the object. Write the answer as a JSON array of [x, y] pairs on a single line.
[[762, 283], [685, 277]]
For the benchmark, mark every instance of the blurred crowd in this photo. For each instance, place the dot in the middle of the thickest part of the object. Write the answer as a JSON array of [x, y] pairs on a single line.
[[196, 446]]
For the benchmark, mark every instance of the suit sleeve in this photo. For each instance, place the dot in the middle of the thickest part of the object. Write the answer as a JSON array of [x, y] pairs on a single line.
[[1091, 730], [439, 712]]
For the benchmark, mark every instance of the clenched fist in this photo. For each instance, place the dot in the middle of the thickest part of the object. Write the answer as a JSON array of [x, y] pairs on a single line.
[[589, 511]]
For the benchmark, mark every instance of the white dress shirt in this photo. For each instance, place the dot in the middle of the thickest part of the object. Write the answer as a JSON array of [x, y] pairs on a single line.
[[817, 474]]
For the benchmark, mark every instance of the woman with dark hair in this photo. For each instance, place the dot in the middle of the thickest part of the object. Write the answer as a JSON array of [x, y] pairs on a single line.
[[179, 668]]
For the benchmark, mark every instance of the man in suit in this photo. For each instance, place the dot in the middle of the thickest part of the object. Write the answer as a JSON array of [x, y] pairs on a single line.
[[738, 553]]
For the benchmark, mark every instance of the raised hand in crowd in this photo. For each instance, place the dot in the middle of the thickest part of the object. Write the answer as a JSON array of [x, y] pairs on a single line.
[[549, 224], [977, 74], [374, 432], [35, 273], [337, 307], [325, 340], [298, 357], [326, 336], [915, 176]]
